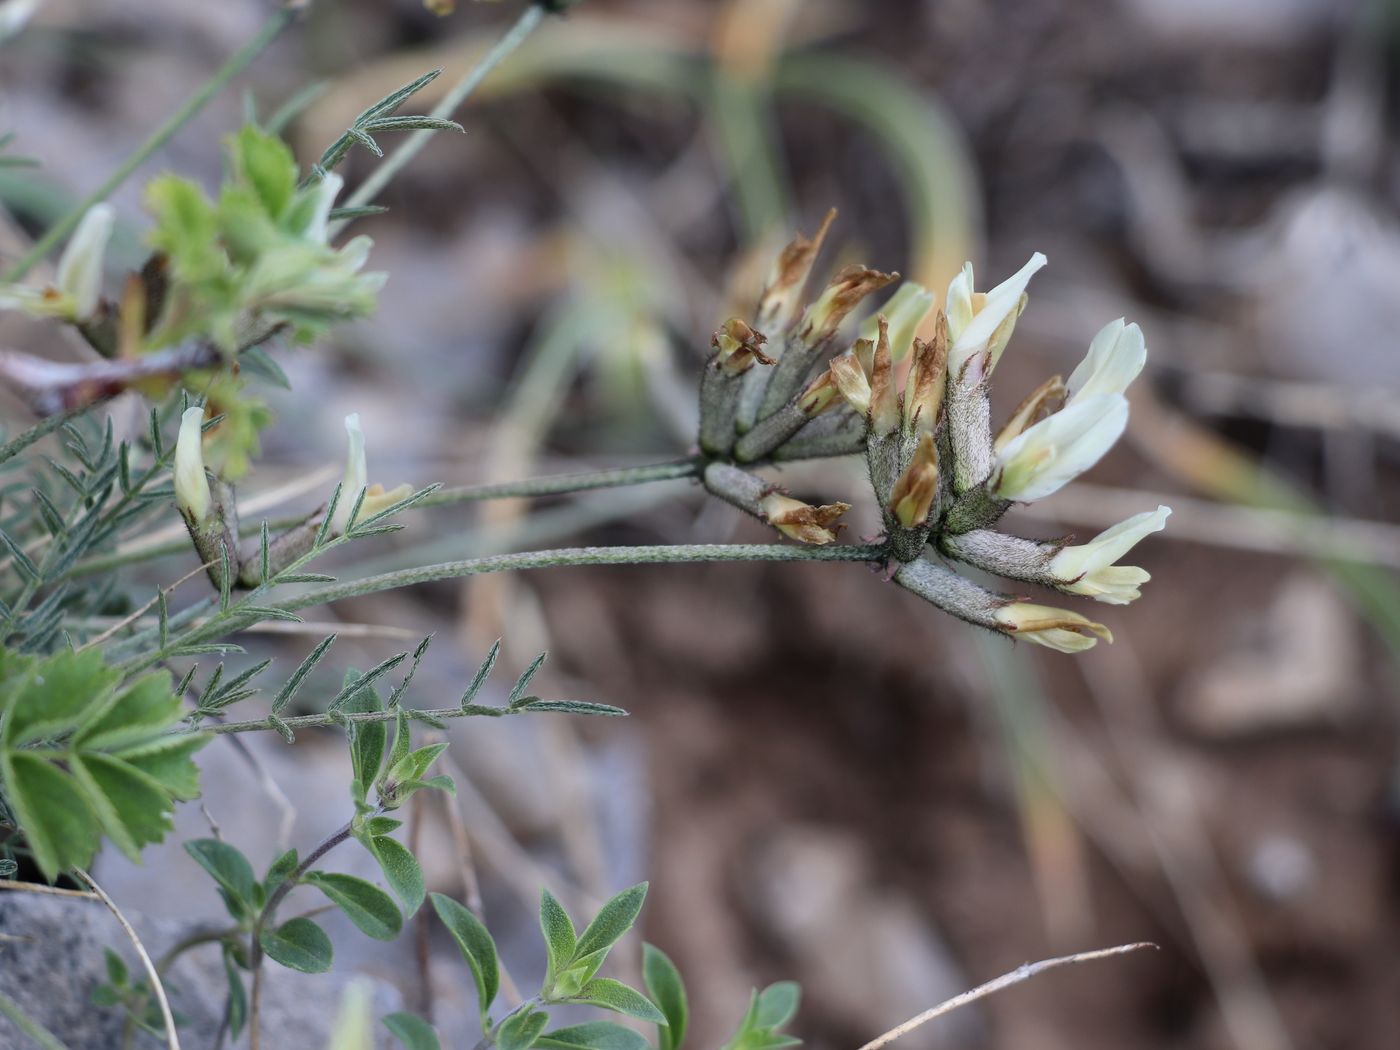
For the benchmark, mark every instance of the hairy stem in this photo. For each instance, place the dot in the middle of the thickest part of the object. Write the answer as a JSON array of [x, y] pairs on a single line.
[[235, 65]]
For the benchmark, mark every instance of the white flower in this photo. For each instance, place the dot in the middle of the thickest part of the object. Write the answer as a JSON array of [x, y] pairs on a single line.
[[981, 322], [904, 311], [327, 190], [80, 268], [1058, 629], [192, 494], [1116, 356], [1089, 568], [1055, 451], [356, 482]]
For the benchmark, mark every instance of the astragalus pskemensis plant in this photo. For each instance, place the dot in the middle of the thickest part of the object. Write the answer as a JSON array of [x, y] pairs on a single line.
[[792, 383]]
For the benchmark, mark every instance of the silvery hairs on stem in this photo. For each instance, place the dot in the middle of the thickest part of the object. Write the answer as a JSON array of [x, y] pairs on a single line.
[[795, 383]]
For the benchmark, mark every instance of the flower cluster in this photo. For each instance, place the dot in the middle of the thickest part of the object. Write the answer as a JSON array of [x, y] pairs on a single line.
[[789, 385]]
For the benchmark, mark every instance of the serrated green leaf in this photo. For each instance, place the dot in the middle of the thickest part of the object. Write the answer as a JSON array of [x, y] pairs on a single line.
[[560, 938], [138, 713], [401, 871], [299, 944], [412, 1031], [132, 808], [53, 696], [520, 1030], [476, 945], [624, 999], [368, 907], [593, 1035], [667, 990], [613, 920], [266, 164], [229, 868], [59, 827]]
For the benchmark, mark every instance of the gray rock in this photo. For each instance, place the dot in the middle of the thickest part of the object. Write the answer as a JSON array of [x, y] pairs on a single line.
[[52, 957]]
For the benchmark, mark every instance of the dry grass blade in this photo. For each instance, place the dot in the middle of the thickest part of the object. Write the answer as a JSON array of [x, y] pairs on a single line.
[[1024, 972]]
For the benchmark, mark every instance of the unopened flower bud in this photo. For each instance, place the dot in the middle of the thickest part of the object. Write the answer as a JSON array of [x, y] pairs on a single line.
[[1056, 450], [192, 493], [80, 268], [982, 324], [905, 311], [1089, 568], [737, 347], [375, 499], [1058, 629], [884, 398], [840, 297], [913, 494], [821, 394], [327, 190], [1045, 399], [777, 307], [923, 390], [850, 379], [801, 521], [1116, 356]]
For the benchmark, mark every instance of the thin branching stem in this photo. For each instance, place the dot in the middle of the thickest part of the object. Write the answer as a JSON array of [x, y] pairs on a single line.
[[211, 87], [370, 189], [1024, 972], [172, 1038], [266, 916]]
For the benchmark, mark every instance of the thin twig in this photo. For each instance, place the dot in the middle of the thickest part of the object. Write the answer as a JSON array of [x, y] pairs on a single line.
[[366, 193], [53, 891], [133, 617], [172, 1038], [1024, 972], [235, 65]]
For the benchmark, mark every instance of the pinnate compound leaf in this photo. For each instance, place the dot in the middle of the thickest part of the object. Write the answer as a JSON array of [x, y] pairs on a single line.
[[299, 944], [412, 1031], [476, 946], [593, 1035], [368, 907]]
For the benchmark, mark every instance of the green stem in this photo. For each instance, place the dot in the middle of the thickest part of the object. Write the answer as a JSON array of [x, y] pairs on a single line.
[[235, 65], [340, 718], [576, 556], [27, 1025], [40, 430], [366, 193], [549, 485]]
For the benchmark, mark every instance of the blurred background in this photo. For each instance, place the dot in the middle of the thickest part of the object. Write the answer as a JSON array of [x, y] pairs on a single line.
[[824, 778]]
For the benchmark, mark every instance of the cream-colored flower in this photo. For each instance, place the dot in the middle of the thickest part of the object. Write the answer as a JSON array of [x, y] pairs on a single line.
[[904, 312], [1055, 451], [192, 493], [913, 494], [979, 322], [1058, 629], [1089, 568], [1116, 357], [80, 268], [355, 481]]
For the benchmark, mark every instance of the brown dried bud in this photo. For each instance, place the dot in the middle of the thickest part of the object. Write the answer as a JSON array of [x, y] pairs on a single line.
[[777, 306], [884, 398], [923, 391], [841, 296], [913, 494], [737, 347], [801, 521], [821, 394]]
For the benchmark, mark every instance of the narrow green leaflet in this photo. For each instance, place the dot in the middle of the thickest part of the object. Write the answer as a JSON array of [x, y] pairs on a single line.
[[412, 1031], [614, 995], [613, 920], [476, 945], [80, 757], [298, 944], [667, 991], [401, 871], [594, 1035], [369, 907], [519, 1031], [560, 940]]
